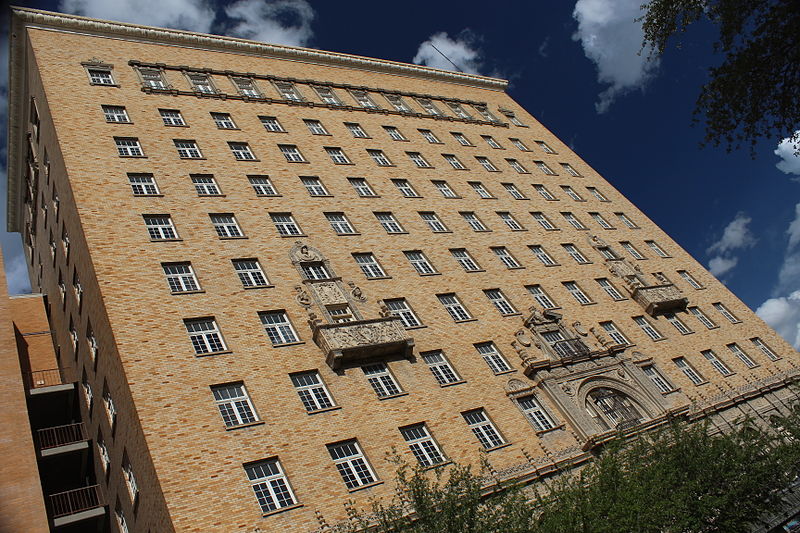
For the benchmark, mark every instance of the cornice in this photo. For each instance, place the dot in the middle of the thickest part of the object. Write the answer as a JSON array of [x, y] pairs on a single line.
[[75, 23]]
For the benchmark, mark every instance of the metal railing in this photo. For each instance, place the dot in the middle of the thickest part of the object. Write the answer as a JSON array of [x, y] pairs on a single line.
[[56, 436], [570, 348], [38, 379], [75, 501]]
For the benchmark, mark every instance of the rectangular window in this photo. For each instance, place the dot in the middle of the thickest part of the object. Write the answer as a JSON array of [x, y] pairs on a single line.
[[327, 95], [535, 414], [576, 254], [399, 307], [491, 142], [380, 158], [187, 149], [516, 194], [716, 362], [111, 409], [614, 332], [315, 127], [270, 485], [351, 464], [418, 160], [205, 336], [312, 391], [724, 312], [389, 223], [285, 224], [364, 99], [458, 110], [262, 185], [128, 147], [278, 328], [575, 290], [505, 257], [381, 380], [247, 87], [573, 220], [143, 184], [473, 221], [519, 144], [571, 193], [568, 168], [201, 83], [543, 220], [160, 227], [429, 107], [545, 147], [603, 223], [766, 350], [631, 249], [205, 185], [356, 130], [483, 429], [429, 136], [100, 77], [454, 307], [223, 121], [420, 262], [513, 163], [656, 248], [610, 289], [481, 191], [542, 255], [541, 297], [291, 153], [627, 221], [689, 279], [171, 117], [707, 322], [314, 186], [743, 357], [130, 478], [544, 168], [513, 118], [115, 113], [315, 270], [180, 277], [597, 194], [271, 124], [234, 404], [677, 323], [444, 188], [433, 222], [288, 91], [462, 140], [689, 371], [485, 113], [340, 224], [398, 103], [369, 265], [440, 367], [361, 187], [500, 301], [465, 260], [250, 273], [542, 190], [486, 164], [422, 445], [658, 380], [648, 328], [226, 226], [405, 188], [242, 151], [337, 155], [394, 133]]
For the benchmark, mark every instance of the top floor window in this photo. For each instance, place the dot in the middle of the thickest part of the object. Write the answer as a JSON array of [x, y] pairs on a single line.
[[99, 76], [327, 95], [153, 78], [483, 110], [429, 107], [458, 110], [247, 87], [363, 99], [288, 91], [202, 83], [397, 102]]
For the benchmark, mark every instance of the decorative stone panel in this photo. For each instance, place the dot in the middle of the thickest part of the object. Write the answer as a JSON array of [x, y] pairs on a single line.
[[658, 299], [362, 341]]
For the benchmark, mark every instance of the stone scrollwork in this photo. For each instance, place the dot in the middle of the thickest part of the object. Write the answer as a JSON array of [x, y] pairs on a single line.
[[303, 253], [579, 329], [302, 297], [523, 338], [604, 341], [328, 293], [356, 292]]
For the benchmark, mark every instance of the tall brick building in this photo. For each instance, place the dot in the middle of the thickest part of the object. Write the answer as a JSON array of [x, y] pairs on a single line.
[[266, 267]]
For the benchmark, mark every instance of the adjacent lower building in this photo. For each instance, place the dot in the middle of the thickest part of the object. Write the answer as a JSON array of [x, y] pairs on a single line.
[[266, 267]]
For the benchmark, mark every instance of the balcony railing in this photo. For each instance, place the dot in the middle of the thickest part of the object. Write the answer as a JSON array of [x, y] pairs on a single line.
[[362, 340], [627, 424], [570, 348], [70, 503], [657, 299], [52, 377], [57, 436]]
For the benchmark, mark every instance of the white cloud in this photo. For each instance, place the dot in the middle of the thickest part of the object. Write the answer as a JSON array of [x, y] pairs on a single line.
[[790, 162], [277, 21], [721, 265], [794, 229], [463, 51], [16, 268], [193, 15], [735, 236], [612, 40], [783, 315]]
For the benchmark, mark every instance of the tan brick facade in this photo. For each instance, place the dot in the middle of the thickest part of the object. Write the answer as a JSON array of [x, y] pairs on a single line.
[[188, 466]]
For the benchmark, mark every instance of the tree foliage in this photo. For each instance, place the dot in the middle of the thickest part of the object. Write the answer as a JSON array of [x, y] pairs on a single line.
[[754, 92]]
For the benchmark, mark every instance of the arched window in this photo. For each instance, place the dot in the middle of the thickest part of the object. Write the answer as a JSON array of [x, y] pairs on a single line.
[[615, 409]]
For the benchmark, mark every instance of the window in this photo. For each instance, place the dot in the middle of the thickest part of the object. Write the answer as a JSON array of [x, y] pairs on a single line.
[[250, 273], [606, 252], [543, 220], [631, 250], [519, 144], [689, 279], [483, 429], [429, 107], [312, 391], [454, 306], [614, 332], [205, 336], [226, 226], [544, 168], [171, 117], [505, 257], [648, 328], [100, 76], [364, 99], [130, 478], [658, 380], [465, 260], [724, 312], [242, 151], [285, 224], [180, 277], [234, 404], [340, 224], [517, 195], [278, 328], [88, 396], [205, 185], [115, 113], [381, 380], [491, 142], [262, 185], [513, 118], [707, 322], [568, 168], [535, 413], [486, 164], [143, 184], [291, 153], [105, 460], [420, 262], [445, 189], [656, 248], [766, 350], [399, 307], [610, 289], [361, 187], [389, 223], [429, 136], [351, 464], [576, 254], [327, 95], [517, 166], [597, 194], [541, 297], [542, 255], [356, 130], [500, 301], [677, 323], [270, 485], [433, 222], [160, 227], [394, 133], [459, 111], [485, 113], [545, 147], [337, 156], [405, 188], [271, 124], [418, 160], [462, 140], [188, 149], [314, 186], [247, 87], [571, 193], [716, 362], [202, 83], [398, 103], [542, 190], [573, 221], [603, 223], [76, 285], [743, 357], [128, 147], [577, 293], [380, 158], [223, 121], [627, 221], [473, 221], [478, 187], [440, 367], [369, 265], [422, 445], [288, 91], [111, 409], [315, 270], [316, 127]]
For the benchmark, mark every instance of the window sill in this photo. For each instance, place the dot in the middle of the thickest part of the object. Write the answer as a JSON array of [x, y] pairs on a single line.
[[248, 160], [378, 277], [296, 343], [254, 287], [205, 354], [118, 122], [228, 129], [248, 425], [192, 158], [591, 303], [148, 195], [326, 410], [320, 196], [348, 164], [421, 326], [367, 486], [282, 509], [487, 450], [504, 372], [133, 156], [176, 125], [211, 195], [447, 231], [388, 166], [348, 234], [166, 240], [466, 320], [396, 233], [295, 162], [472, 271], [541, 432], [293, 236], [430, 274], [516, 268], [393, 396], [104, 84], [269, 195], [200, 291], [234, 238], [369, 195], [454, 383], [512, 314]]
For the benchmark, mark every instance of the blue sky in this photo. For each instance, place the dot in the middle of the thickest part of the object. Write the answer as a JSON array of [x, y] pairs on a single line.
[[575, 66]]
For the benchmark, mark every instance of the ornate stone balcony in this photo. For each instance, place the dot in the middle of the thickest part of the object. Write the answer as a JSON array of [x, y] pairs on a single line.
[[362, 340], [658, 299]]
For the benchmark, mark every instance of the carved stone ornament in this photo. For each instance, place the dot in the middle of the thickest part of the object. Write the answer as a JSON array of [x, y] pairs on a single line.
[[661, 278], [604, 341], [356, 292], [302, 297], [522, 352], [313, 319], [385, 312], [567, 388], [523, 338], [328, 293], [536, 315], [303, 253], [515, 384], [579, 329], [597, 242], [621, 373]]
